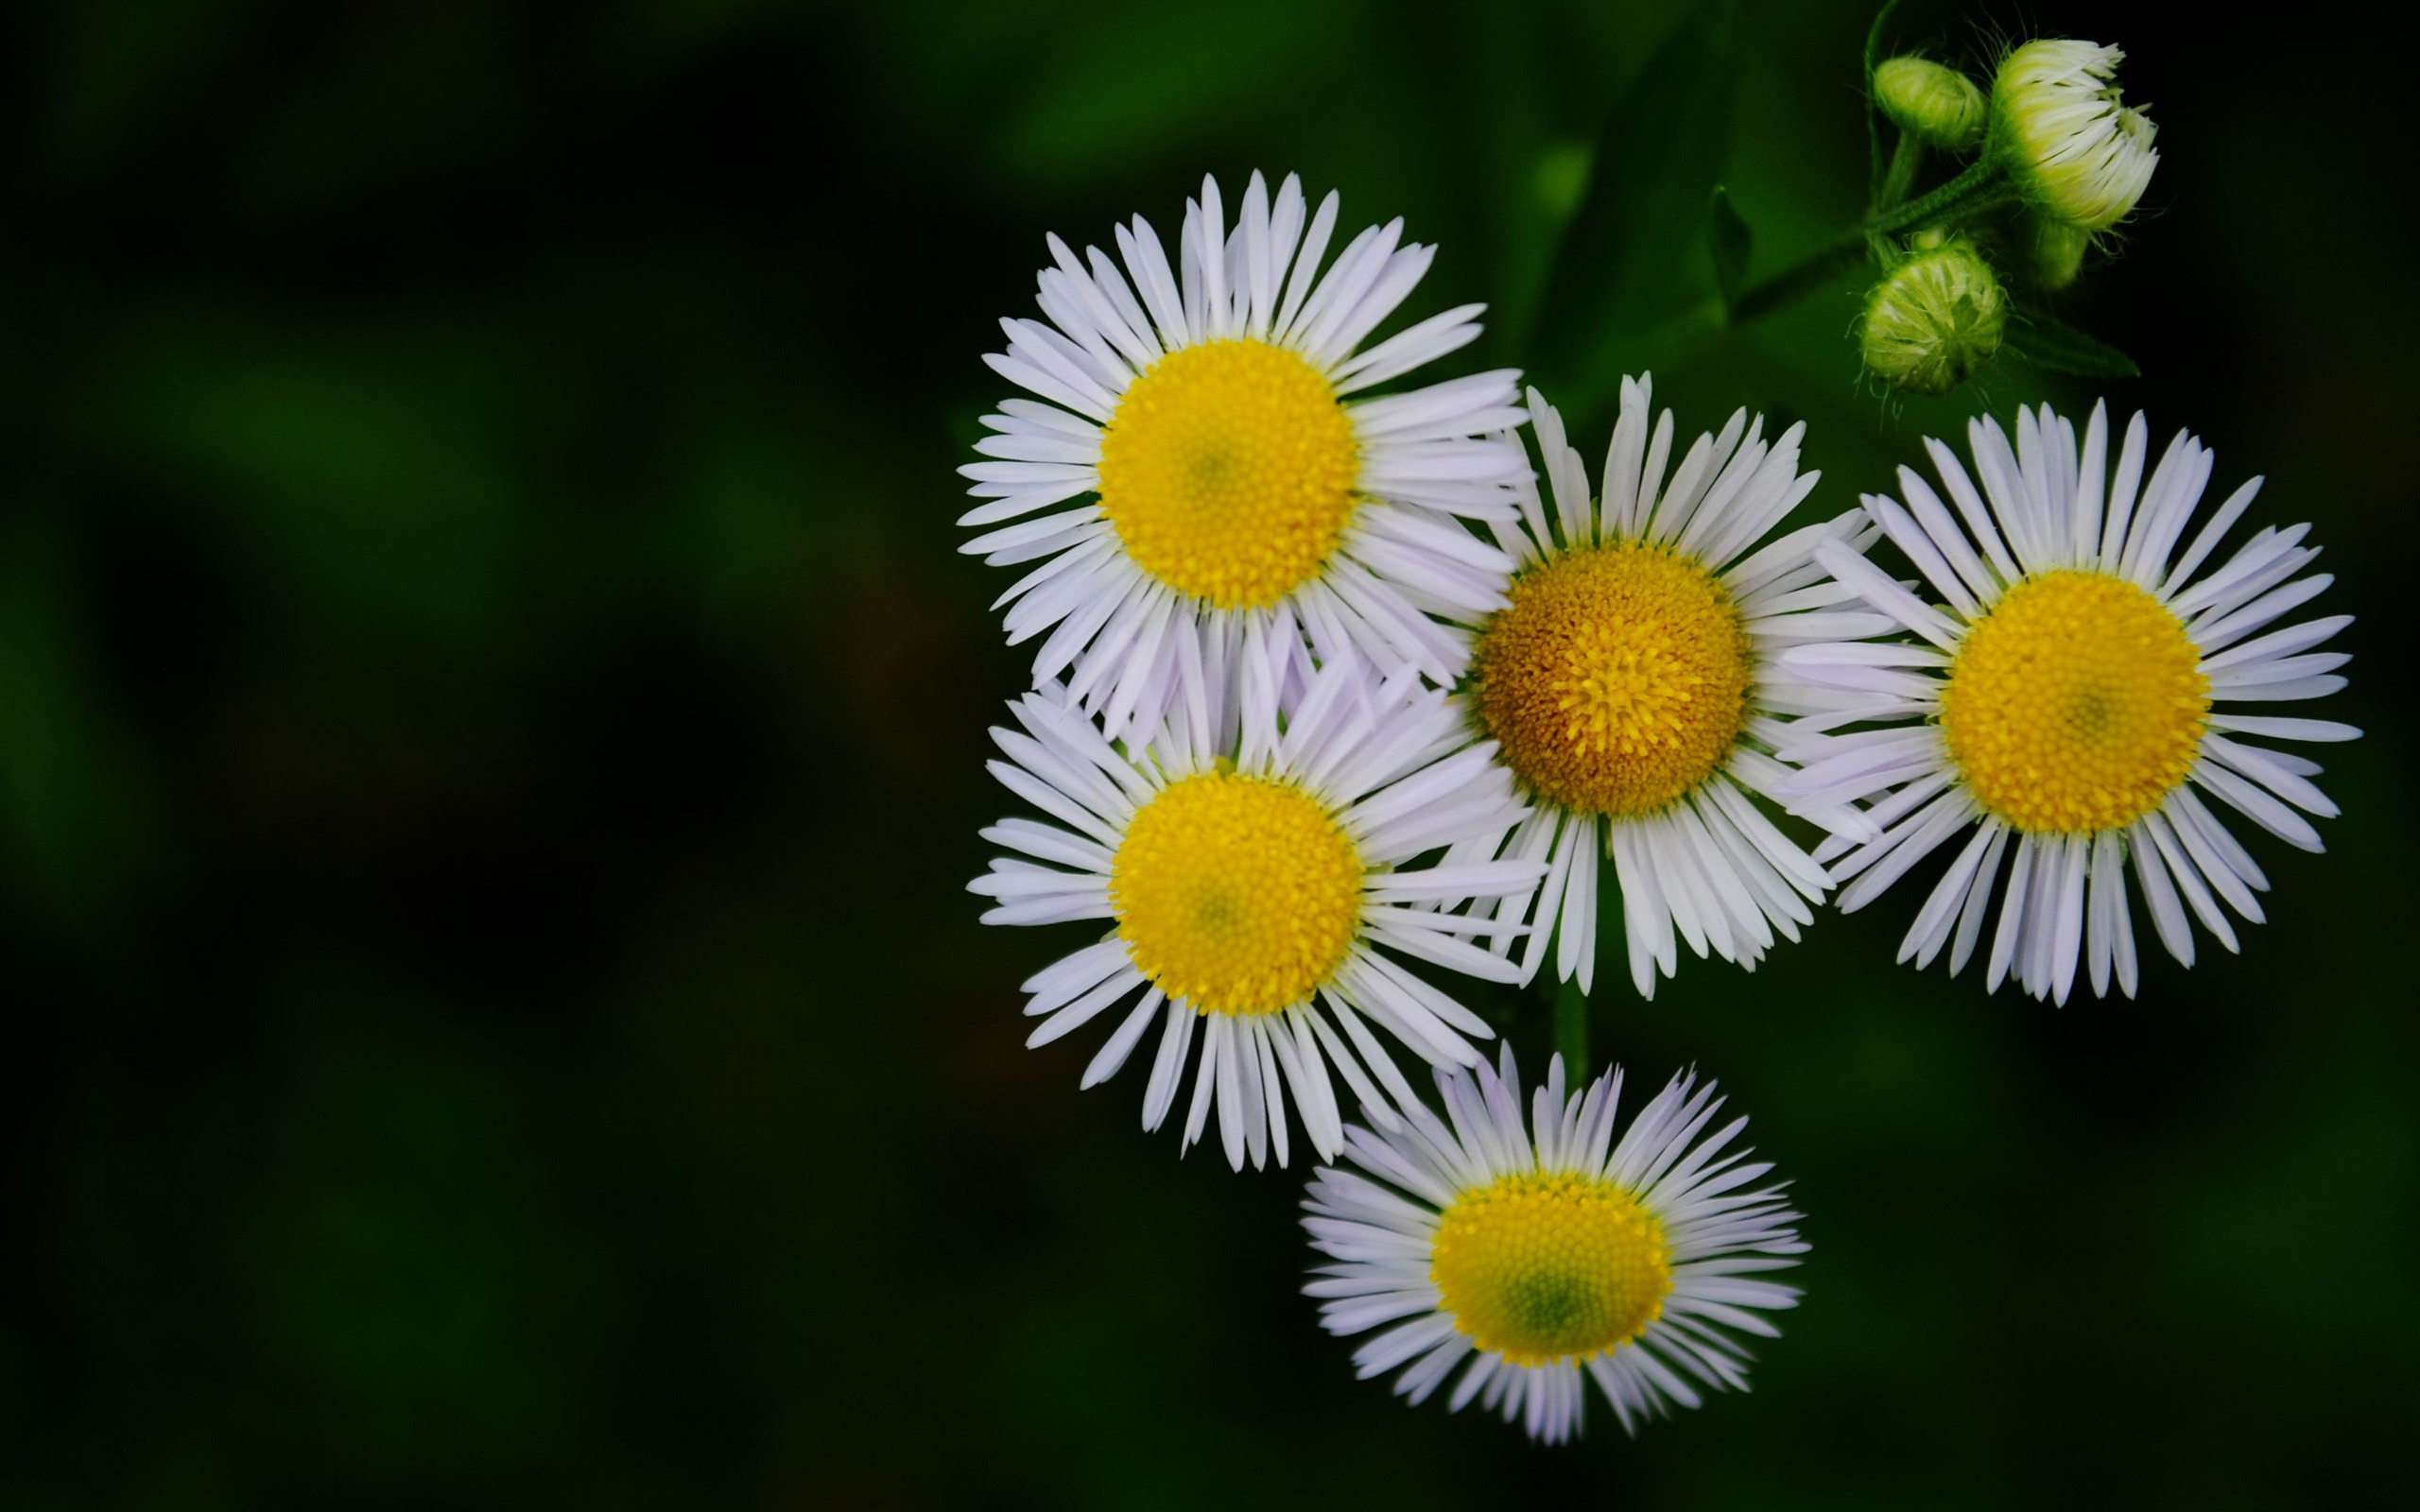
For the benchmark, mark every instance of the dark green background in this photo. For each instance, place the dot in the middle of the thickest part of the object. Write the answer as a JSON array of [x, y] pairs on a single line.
[[491, 735]]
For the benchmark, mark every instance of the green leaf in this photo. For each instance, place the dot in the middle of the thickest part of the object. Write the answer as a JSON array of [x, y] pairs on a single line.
[[1630, 278], [1872, 113], [71, 799], [1728, 238], [2049, 342]]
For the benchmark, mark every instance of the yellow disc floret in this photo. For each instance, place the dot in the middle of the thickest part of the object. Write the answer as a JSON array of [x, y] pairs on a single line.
[[1547, 1265], [2074, 704], [1618, 679], [1237, 893], [1228, 469]]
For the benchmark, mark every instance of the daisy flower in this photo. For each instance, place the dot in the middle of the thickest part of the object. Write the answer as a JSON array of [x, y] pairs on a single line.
[[1254, 864], [2065, 703], [1533, 1259], [1195, 461], [1632, 683]]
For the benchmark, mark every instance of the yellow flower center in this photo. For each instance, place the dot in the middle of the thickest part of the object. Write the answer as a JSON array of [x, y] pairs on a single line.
[[1228, 469], [1238, 894], [1540, 1266], [1618, 679], [2074, 704]]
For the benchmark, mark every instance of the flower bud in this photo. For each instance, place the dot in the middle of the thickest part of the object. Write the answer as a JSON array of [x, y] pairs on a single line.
[[1933, 320], [2056, 249], [2077, 155], [1938, 106]]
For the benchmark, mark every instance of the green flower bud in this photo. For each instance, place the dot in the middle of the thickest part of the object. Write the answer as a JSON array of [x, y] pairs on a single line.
[[2077, 154], [2055, 248], [1933, 320], [1938, 106]]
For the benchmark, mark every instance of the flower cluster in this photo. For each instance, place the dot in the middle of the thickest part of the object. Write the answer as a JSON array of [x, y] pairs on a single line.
[[1349, 696], [2058, 160]]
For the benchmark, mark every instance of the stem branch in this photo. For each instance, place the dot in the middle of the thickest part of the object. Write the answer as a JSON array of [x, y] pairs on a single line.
[[1799, 278], [1900, 176], [1978, 189], [1571, 1030]]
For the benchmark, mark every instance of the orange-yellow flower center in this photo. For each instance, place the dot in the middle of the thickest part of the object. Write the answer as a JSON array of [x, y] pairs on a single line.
[[2074, 704], [1617, 680], [1542, 1266], [1228, 469], [1237, 893]]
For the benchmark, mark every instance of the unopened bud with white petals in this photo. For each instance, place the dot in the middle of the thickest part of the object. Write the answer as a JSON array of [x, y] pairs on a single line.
[[2077, 154]]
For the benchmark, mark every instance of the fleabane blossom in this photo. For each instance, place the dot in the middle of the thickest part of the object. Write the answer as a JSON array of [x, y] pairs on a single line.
[[1633, 684], [1202, 457], [1255, 856], [2073, 704], [1527, 1255]]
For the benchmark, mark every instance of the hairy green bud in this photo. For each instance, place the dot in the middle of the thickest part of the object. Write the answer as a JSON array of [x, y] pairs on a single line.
[[2076, 153], [1938, 106], [1933, 320], [2056, 249]]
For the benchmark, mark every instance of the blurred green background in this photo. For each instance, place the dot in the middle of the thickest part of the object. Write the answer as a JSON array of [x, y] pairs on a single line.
[[491, 733]]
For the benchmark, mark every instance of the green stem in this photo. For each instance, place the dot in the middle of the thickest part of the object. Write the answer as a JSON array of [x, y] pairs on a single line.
[[1906, 159], [1978, 189], [1800, 278], [1571, 1031]]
